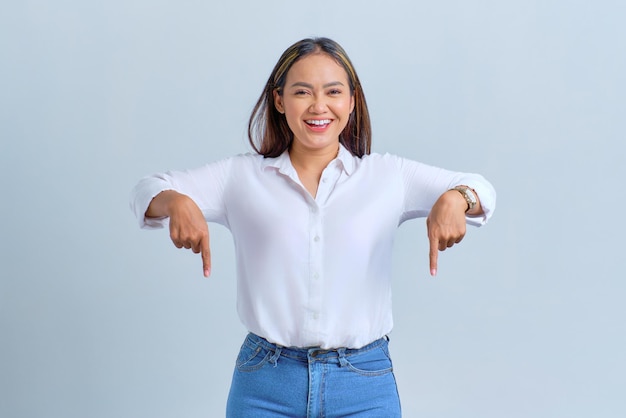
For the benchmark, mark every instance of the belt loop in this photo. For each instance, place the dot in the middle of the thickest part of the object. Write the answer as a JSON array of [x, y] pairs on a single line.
[[342, 357], [274, 359]]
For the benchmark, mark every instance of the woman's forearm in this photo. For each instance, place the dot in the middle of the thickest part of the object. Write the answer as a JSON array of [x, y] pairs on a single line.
[[161, 204]]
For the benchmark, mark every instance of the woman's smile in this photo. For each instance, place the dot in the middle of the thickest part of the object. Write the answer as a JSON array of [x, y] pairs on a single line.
[[318, 125]]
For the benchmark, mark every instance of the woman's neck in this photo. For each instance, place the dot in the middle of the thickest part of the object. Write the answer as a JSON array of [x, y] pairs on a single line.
[[312, 160]]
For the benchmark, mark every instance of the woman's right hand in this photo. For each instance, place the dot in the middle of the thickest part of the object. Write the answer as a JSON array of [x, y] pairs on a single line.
[[188, 228]]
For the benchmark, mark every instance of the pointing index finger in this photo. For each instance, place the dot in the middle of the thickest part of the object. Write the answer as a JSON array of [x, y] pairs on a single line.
[[205, 252], [433, 255]]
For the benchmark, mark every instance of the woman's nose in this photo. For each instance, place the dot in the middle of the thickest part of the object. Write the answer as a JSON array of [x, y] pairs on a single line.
[[318, 105]]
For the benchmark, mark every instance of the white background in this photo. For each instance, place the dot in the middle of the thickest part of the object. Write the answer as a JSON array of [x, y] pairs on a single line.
[[101, 319]]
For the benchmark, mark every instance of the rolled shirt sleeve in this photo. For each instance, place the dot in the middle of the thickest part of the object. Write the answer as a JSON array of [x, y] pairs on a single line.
[[424, 184], [204, 185]]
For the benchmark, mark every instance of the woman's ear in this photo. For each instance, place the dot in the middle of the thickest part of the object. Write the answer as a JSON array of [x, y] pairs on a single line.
[[278, 102]]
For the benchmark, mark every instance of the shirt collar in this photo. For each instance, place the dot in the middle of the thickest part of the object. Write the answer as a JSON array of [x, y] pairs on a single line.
[[346, 159], [283, 163]]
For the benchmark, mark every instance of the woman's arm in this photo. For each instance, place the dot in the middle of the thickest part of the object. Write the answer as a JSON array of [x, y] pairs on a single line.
[[186, 200], [429, 191], [446, 223], [188, 228]]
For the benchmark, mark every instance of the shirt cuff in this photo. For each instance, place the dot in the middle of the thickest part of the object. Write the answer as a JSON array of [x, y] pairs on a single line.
[[487, 196], [141, 196]]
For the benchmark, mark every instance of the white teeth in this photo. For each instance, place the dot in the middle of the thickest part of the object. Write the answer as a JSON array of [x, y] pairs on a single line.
[[318, 122]]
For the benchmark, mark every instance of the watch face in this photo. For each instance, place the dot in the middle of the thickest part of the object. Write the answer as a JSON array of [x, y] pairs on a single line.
[[468, 195], [471, 198]]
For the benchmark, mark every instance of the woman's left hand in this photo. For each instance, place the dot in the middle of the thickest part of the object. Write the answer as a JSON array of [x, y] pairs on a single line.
[[446, 224]]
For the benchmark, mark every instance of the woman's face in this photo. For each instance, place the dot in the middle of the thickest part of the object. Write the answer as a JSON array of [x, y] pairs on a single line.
[[316, 101]]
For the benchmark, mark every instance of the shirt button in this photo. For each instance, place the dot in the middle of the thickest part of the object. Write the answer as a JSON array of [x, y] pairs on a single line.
[[316, 276], [316, 315], [324, 180], [317, 238]]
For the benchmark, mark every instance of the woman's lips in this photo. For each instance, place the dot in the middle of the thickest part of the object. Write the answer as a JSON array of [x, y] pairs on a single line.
[[318, 124]]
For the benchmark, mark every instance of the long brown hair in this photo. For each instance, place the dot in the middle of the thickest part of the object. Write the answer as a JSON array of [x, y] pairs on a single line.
[[268, 131]]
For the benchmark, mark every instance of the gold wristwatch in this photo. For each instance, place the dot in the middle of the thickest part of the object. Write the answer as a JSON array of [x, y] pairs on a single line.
[[469, 196]]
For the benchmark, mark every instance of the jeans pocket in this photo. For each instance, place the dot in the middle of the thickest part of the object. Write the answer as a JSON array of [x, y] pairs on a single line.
[[375, 362], [252, 357]]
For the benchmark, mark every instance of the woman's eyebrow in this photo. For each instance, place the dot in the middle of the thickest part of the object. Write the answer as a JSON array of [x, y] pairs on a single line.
[[310, 86]]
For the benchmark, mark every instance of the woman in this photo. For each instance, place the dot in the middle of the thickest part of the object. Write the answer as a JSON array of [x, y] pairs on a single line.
[[313, 216]]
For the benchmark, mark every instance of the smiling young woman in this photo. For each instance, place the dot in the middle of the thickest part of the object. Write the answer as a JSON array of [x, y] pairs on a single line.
[[313, 215]]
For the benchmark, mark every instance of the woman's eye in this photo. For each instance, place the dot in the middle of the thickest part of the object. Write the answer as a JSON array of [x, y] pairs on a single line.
[[300, 92], [334, 92]]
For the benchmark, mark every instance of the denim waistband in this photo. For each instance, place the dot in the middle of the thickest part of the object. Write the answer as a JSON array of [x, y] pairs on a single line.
[[316, 352]]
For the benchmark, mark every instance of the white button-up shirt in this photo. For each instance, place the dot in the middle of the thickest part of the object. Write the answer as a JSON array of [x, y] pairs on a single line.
[[313, 271]]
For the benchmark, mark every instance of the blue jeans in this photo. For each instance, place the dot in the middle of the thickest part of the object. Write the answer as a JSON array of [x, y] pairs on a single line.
[[274, 381]]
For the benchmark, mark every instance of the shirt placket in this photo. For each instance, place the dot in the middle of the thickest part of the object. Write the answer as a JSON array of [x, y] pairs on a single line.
[[315, 273], [315, 313]]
